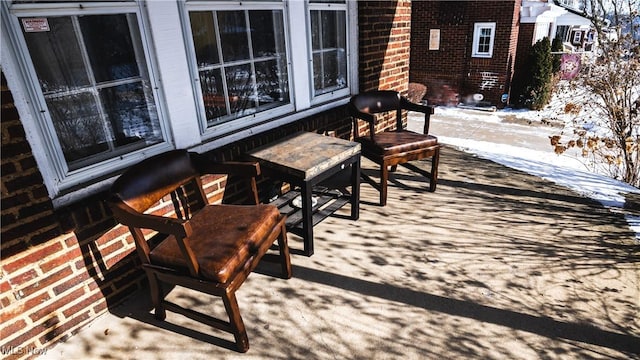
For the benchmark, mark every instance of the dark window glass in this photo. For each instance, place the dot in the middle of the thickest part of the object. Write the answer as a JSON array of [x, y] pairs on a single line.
[[252, 75], [329, 42], [96, 86]]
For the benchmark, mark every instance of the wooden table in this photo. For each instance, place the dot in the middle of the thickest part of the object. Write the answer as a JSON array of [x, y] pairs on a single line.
[[305, 160]]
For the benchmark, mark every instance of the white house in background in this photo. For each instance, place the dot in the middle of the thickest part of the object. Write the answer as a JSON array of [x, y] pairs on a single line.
[[559, 18]]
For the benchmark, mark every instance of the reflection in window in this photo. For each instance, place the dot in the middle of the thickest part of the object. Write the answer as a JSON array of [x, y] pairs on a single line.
[[245, 71], [329, 42], [96, 87]]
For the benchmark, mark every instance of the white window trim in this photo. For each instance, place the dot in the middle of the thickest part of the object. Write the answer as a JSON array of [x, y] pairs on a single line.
[[300, 69], [31, 104], [169, 65], [577, 37], [339, 92], [477, 29]]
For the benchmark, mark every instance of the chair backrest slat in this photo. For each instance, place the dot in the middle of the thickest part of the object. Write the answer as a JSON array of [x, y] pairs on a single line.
[[144, 184], [378, 101]]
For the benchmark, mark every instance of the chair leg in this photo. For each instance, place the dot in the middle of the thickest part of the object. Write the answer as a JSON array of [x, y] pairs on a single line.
[[235, 321], [384, 175], [433, 181], [157, 296], [285, 259]]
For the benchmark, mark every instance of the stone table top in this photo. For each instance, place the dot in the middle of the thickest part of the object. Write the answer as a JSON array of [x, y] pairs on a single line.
[[305, 154]]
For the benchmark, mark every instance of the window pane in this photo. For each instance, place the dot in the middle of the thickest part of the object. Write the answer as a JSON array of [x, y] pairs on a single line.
[[103, 105], [233, 34], [241, 91], [271, 80], [213, 94], [334, 69], [129, 117], [332, 29], [204, 38], [266, 37], [56, 56], [111, 52], [329, 50], [78, 125], [316, 29]]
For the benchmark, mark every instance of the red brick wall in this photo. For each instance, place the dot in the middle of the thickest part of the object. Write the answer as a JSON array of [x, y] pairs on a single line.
[[450, 70], [384, 49], [525, 42]]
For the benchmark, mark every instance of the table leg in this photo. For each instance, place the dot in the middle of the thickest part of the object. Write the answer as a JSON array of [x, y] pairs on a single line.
[[355, 189], [307, 218]]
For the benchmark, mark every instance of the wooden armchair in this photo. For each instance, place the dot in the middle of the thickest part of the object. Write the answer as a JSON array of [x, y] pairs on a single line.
[[208, 248], [391, 148]]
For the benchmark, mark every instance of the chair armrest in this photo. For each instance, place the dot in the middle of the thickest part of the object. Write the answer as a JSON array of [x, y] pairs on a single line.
[[425, 109], [353, 111], [165, 225], [411, 106], [246, 169]]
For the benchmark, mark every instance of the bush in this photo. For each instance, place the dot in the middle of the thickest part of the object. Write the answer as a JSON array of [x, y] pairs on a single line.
[[540, 88], [534, 89], [416, 92]]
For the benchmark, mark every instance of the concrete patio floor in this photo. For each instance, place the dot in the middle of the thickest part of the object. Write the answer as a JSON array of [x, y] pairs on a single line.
[[496, 264]]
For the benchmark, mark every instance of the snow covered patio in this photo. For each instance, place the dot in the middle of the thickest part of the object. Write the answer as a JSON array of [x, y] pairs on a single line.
[[504, 266]]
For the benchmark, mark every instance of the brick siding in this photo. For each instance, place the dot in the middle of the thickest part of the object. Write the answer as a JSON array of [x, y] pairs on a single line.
[[526, 36], [450, 73], [384, 50], [63, 267]]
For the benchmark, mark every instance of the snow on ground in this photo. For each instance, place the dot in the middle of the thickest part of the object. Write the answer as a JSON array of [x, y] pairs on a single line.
[[565, 170]]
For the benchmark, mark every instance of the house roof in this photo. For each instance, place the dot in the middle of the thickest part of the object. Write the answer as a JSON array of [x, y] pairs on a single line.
[[535, 11]]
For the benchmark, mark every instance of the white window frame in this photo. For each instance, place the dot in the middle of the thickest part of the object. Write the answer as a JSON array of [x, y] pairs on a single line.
[[300, 68], [249, 120], [576, 38], [338, 92], [174, 86], [477, 32], [36, 120]]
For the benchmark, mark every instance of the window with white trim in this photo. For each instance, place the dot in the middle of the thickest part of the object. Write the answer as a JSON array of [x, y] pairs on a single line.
[[95, 98], [328, 46], [242, 53], [241, 61], [483, 36], [108, 83], [576, 37]]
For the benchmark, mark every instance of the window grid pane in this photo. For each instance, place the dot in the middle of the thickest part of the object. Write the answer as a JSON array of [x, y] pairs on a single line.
[[96, 86], [328, 39], [484, 40], [252, 76]]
